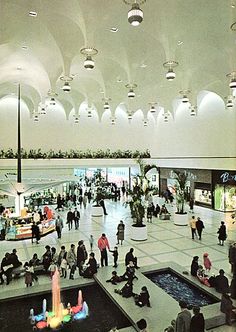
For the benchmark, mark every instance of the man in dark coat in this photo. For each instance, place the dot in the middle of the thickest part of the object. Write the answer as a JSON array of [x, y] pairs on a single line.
[[129, 257], [76, 218], [70, 217], [197, 322], [221, 282], [35, 232], [82, 255], [199, 226]]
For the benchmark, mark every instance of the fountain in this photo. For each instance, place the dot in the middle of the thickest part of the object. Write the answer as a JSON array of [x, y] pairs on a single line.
[[59, 315]]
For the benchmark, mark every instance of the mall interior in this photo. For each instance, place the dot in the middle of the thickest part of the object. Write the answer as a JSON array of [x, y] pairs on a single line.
[[88, 90]]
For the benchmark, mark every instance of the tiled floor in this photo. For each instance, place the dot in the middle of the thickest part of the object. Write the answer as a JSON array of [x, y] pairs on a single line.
[[166, 241]]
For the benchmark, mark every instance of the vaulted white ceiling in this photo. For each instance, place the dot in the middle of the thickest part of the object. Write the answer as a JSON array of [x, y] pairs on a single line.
[[37, 51]]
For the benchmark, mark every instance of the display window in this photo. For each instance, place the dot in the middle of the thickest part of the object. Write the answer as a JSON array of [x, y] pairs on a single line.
[[225, 197], [203, 197]]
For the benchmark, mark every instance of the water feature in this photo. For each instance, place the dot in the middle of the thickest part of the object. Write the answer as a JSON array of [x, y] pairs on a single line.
[[103, 313], [180, 289], [59, 315]]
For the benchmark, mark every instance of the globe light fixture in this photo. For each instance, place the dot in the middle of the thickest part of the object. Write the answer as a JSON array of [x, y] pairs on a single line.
[[52, 101], [135, 14], [145, 123], [113, 121], [89, 63], [130, 115], [185, 98], [230, 101], [193, 110], [36, 118], [52, 95], [152, 107], [232, 76], [106, 104], [76, 120], [66, 79], [131, 87], [170, 75]]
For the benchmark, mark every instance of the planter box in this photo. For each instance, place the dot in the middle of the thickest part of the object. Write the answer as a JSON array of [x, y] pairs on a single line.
[[96, 211], [181, 219], [139, 233]]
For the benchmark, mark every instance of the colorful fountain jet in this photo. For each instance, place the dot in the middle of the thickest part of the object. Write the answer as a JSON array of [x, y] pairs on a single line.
[[59, 315]]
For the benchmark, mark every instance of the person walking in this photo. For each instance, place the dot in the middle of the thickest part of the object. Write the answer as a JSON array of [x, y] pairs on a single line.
[[103, 245], [91, 242], [191, 204], [120, 232], [232, 257], [70, 217], [59, 226], [197, 321], [222, 234], [76, 217], [183, 319], [200, 226], [193, 226], [35, 232]]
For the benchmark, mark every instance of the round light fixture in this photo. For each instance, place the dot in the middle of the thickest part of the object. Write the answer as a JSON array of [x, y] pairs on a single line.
[[230, 102], [76, 119], [113, 121], [89, 52], [131, 93], [89, 63], [43, 110], [145, 123], [135, 15], [129, 115], [89, 113], [170, 75], [131, 87], [36, 118], [52, 101], [232, 83], [193, 111], [66, 87], [152, 107], [106, 105]]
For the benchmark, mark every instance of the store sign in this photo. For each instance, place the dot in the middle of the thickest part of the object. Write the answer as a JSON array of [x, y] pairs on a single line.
[[227, 177]]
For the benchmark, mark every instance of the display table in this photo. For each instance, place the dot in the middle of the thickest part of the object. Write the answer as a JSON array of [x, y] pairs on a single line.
[[20, 228]]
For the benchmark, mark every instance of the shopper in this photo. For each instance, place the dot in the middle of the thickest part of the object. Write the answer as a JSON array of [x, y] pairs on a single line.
[[197, 321], [59, 226], [82, 255], [70, 217], [143, 299], [72, 259], [35, 232], [232, 257], [91, 242], [222, 234], [76, 217], [226, 306], [194, 266], [192, 224], [103, 245], [130, 257], [221, 282], [199, 226], [183, 319], [92, 266], [120, 232]]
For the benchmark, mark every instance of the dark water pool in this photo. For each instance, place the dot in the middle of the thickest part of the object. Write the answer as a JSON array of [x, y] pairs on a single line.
[[180, 289], [103, 314]]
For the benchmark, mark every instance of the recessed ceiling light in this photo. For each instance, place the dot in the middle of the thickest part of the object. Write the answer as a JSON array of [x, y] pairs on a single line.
[[114, 29], [180, 42], [33, 13], [143, 65]]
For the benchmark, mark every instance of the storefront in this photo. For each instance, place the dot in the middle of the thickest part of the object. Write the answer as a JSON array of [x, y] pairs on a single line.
[[224, 189], [203, 194]]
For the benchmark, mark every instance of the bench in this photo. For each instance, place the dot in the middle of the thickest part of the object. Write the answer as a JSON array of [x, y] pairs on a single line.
[[19, 270], [165, 216]]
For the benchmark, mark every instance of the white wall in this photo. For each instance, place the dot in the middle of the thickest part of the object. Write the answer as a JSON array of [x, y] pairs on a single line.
[[212, 133]]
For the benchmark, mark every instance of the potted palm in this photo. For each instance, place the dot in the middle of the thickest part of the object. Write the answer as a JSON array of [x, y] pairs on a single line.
[[138, 200], [181, 180]]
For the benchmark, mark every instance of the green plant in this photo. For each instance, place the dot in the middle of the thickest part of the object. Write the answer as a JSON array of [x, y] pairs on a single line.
[[181, 179], [138, 195]]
